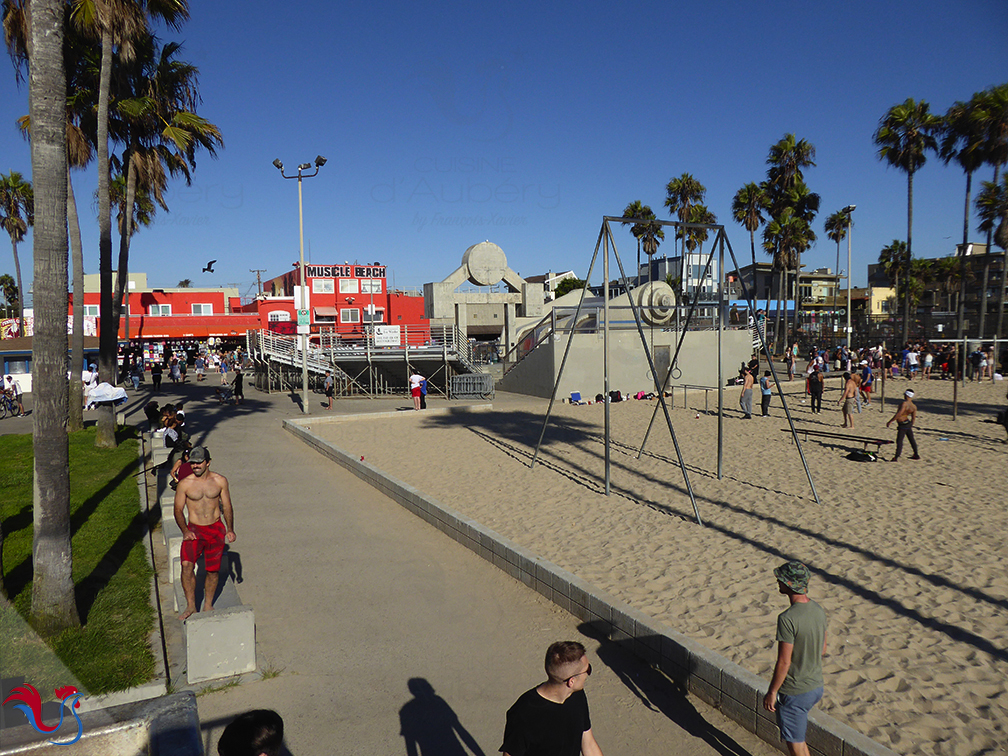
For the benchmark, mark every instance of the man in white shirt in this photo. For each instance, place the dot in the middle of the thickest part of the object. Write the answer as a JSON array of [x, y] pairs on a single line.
[[15, 389], [90, 380]]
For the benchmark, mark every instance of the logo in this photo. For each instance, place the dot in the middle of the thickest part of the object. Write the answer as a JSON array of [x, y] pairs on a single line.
[[31, 705]]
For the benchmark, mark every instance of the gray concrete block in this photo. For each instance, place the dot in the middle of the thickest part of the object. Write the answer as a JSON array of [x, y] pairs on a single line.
[[544, 588], [704, 690], [706, 665], [768, 731], [742, 685], [673, 650], [600, 607], [220, 644], [820, 737], [738, 712], [623, 625], [856, 744]]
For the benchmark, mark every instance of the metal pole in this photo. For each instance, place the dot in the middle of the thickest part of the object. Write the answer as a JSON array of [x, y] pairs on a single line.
[[304, 337], [720, 367], [605, 349], [849, 341]]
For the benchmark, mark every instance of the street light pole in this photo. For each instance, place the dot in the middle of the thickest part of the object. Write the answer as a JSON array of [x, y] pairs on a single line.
[[849, 209], [319, 162]]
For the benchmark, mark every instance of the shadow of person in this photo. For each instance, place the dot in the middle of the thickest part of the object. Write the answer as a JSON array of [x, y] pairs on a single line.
[[658, 692], [429, 726], [234, 565]]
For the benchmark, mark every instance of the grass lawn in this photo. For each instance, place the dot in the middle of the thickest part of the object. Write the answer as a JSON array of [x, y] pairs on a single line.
[[111, 571]]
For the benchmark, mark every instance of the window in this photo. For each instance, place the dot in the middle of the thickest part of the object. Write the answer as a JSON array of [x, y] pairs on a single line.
[[159, 309], [323, 285], [279, 316], [349, 316], [379, 316], [348, 286], [91, 311], [202, 309], [370, 286]]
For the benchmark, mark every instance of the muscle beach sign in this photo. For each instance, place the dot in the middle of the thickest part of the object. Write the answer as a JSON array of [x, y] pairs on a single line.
[[345, 271]]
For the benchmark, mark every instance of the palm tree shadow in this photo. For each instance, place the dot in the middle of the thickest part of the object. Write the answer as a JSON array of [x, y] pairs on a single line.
[[430, 726], [658, 692]]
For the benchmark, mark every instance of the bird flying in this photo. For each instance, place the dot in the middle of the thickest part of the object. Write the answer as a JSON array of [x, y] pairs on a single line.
[[209, 267]]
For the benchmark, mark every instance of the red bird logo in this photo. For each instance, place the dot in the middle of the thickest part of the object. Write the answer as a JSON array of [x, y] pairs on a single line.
[[31, 706]]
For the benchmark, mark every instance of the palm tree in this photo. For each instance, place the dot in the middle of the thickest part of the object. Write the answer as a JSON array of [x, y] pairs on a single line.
[[905, 135], [836, 230], [963, 140], [945, 271], [645, 231], [680, 195], [894, 260], [792, 210], [53, 601], [995, 125], [747, 210], [163, 131], [185, 283], [117, 25], [9, 289], [992, 207], [17, 213]]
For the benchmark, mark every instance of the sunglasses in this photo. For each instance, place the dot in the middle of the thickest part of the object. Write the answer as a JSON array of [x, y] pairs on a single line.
[[586, 672]]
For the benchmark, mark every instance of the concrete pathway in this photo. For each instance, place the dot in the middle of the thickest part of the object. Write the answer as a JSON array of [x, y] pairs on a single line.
[[376, 634]]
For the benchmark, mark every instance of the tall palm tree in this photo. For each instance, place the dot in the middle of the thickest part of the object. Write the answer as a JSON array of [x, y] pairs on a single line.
[[992, 207], [945, 271], [53, 601], [894, 259], [117, 25], [963, 140], [995, 125], [836, 230], [905, 135], [163, 131], [747, 210], [680, 195], [645, 231], [17, 213]]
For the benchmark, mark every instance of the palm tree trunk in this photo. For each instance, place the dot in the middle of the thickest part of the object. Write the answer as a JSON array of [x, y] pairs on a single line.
[[909, 257], [122, 276], [1004, 281], [21, 291], [780, 294], [75, 417], [833, 320], [797, 295], [53, 602], [109, 333]]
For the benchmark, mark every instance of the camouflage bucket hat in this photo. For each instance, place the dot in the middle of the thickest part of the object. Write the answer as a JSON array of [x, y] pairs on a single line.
[[794, 575]]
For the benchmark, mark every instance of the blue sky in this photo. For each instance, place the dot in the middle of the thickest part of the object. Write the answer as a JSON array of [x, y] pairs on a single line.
[[524, 123]]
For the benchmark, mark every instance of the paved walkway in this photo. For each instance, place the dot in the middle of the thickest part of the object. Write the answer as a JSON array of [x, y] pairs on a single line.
[[378, 634]]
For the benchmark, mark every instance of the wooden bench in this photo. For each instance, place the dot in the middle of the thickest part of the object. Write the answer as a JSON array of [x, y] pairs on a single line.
[[878, 442]]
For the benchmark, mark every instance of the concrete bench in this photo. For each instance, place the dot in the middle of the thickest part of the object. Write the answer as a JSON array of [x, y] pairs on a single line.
[[220, 643]]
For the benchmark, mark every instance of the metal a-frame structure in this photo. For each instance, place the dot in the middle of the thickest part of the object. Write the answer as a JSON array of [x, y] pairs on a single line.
[[605, 240]]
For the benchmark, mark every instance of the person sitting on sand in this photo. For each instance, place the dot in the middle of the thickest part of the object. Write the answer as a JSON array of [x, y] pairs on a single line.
[[206, 496], [904, 417]]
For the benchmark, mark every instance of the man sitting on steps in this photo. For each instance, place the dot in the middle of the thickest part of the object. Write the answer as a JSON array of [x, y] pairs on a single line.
[[205, 494]]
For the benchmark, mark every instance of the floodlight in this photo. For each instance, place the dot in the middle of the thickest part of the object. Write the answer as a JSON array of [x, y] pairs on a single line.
[[849, 209], [319, 161], [278, 164]]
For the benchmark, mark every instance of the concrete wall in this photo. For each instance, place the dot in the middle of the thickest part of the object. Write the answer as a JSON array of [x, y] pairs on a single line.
[[628, 366], [707, 675]]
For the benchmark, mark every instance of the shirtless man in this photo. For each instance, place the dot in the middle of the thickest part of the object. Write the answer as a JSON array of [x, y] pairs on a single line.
[[205, 494], [904, 417], [745, 398], [847, 400]]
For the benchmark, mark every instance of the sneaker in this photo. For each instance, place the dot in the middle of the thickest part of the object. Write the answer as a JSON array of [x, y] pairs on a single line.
[[915, 456]]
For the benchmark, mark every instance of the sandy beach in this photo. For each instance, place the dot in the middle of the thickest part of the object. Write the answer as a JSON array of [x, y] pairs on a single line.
[[908, 558]]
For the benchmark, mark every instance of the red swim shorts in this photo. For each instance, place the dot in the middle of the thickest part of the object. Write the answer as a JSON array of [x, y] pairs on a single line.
[[209, 542], [415, 391]]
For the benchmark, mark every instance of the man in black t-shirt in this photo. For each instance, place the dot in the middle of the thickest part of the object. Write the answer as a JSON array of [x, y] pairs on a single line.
[[552, 719]]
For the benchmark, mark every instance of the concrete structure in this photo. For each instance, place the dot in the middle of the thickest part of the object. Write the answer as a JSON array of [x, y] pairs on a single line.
[[533, 366], [479, 313]]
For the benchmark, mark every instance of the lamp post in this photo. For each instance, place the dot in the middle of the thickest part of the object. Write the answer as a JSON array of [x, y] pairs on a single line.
[[319, 162], [849, 209]]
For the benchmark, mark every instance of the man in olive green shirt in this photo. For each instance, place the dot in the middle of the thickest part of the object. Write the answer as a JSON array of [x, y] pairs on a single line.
[[797, 683]]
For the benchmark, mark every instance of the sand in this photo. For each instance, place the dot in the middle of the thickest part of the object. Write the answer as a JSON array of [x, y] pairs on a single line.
[[908, 558]]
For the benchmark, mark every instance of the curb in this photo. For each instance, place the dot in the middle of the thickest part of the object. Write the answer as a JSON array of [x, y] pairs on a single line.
[[726, 686]]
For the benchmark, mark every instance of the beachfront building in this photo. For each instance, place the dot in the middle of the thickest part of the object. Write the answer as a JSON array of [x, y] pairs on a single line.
[[549, 280]]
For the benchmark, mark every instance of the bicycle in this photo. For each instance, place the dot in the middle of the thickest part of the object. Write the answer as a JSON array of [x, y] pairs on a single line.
[[8, 406]]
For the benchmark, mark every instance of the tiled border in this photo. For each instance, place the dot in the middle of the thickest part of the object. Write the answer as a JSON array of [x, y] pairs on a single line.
[[709, 676]]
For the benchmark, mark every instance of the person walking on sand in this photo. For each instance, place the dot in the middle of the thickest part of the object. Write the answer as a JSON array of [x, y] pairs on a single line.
[[329, 387], [206, 496], [815, 389], [904, 417], [745, 398], [847, 400], [765, 393], [797, 683], [415, 389], [552, 718]]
